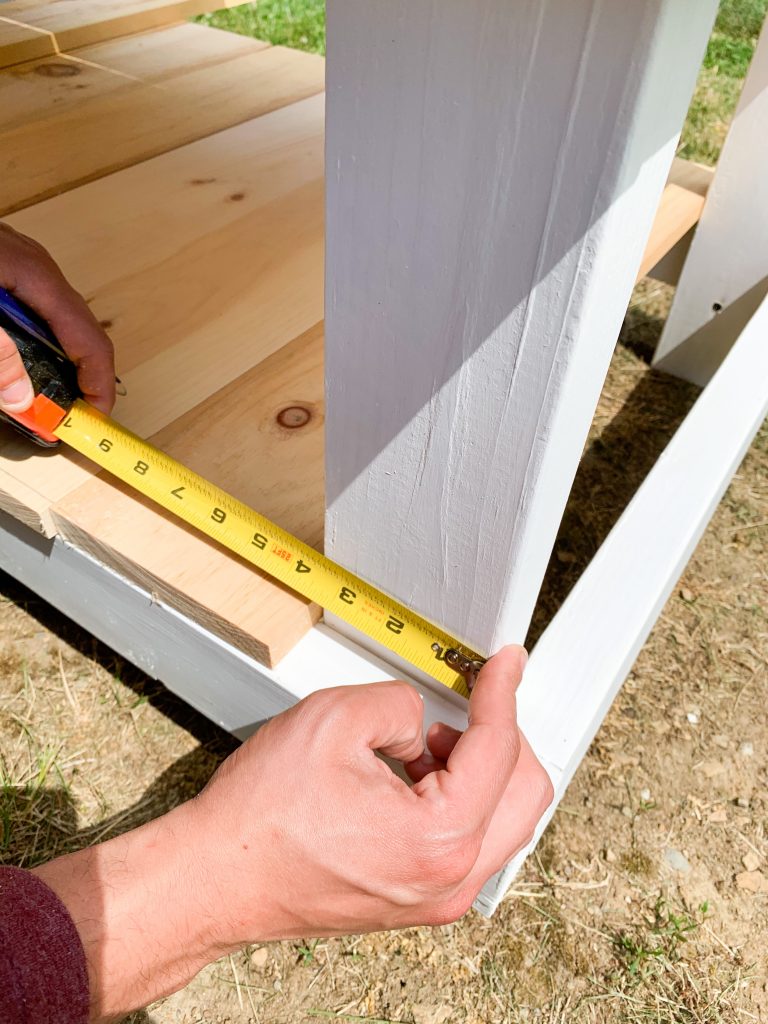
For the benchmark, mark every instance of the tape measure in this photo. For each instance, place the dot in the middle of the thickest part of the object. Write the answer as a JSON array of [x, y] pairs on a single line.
[[59, 414], [265, 545]]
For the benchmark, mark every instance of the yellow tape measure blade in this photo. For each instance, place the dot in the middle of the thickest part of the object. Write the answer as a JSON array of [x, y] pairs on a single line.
[[268, 547]]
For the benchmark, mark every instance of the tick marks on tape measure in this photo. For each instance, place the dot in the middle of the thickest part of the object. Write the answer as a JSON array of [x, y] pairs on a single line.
[[57, 70], [294, 416]]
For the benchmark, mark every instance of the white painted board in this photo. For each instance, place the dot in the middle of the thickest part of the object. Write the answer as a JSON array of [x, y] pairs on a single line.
[[725, 276], [584, 655], [492, 172]]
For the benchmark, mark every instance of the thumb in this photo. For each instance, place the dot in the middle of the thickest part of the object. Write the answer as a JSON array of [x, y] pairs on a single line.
[[16, 392]]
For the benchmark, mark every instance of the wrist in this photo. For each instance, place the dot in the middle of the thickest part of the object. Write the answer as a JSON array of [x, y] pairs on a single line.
[[141, 905]]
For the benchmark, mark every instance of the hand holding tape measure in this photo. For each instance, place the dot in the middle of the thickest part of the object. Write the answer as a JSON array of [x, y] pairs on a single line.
[[424, 852], [58, 413]]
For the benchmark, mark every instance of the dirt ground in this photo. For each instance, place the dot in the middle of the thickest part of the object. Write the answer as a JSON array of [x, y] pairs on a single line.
[[647, 899]]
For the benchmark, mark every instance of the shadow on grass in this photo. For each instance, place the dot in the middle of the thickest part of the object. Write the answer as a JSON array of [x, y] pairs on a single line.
[[612, 468], [51, 619], [37, 823]]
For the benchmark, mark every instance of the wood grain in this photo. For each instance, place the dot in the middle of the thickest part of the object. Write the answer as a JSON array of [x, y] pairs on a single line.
[[165, 52], [31, 480], [21, 42], [43, 89], [679, 210], [202, 262], [240, 438], [69, 147], [68, 24]]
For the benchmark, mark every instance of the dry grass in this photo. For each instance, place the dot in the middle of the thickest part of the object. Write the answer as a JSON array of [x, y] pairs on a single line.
[[603, 926], [600, 928]]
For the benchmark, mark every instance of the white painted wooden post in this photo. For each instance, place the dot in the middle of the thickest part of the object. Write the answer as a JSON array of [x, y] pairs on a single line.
[[492, 173], [725, 275]]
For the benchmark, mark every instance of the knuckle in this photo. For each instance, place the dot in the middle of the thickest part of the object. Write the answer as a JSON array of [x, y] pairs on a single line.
[[543, 792], [411, 694], [326, 711], [445, 860], [453, 907]]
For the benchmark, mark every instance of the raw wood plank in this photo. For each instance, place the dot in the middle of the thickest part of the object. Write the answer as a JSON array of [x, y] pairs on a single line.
[[236, 440], [691, 175], [46, 87], [165, 52], [72, 23], [20, 42], [492, 180], [49, 86], [106, 133], [203, 262], [261, 438], [680, 208], [31, 480], [725, 276]]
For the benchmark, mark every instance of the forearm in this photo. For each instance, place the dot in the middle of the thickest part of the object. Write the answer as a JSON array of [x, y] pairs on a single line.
[[140, 904]]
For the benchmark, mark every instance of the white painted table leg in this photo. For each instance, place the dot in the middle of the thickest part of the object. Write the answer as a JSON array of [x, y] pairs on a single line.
[[581, 660], [492, 173], [725, 275]]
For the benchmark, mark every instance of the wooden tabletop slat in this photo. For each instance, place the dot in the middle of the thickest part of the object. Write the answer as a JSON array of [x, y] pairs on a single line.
[[68, 24], [235, 440]]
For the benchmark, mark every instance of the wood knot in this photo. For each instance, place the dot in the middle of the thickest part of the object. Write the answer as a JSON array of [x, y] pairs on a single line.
[[294, 416], [57, 70], [236, 197]]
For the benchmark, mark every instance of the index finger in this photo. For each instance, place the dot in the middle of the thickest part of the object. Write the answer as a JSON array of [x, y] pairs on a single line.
[[481, 764], [41, 285]]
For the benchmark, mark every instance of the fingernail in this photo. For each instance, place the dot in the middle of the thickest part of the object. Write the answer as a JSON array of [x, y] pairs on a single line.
[[17, 396], [525, 657]]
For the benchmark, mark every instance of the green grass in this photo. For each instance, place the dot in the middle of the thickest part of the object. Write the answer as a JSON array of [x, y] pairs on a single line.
[[301, 24], [297, 23], [726, 61]]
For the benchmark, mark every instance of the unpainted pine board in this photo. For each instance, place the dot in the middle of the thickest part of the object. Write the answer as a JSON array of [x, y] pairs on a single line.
[[107, 133], [49, 86], [21, 42], [492, 179], [689, 174], [31, 479], [679, 210], [237, 440], [164, 52], [261, 438], [73, 23], [202, 263]]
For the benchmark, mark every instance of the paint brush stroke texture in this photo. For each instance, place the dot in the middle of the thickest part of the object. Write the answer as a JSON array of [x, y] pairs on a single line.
[[492, 174]]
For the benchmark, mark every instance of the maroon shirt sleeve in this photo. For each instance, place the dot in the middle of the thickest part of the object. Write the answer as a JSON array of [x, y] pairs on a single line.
[[43, 975]]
